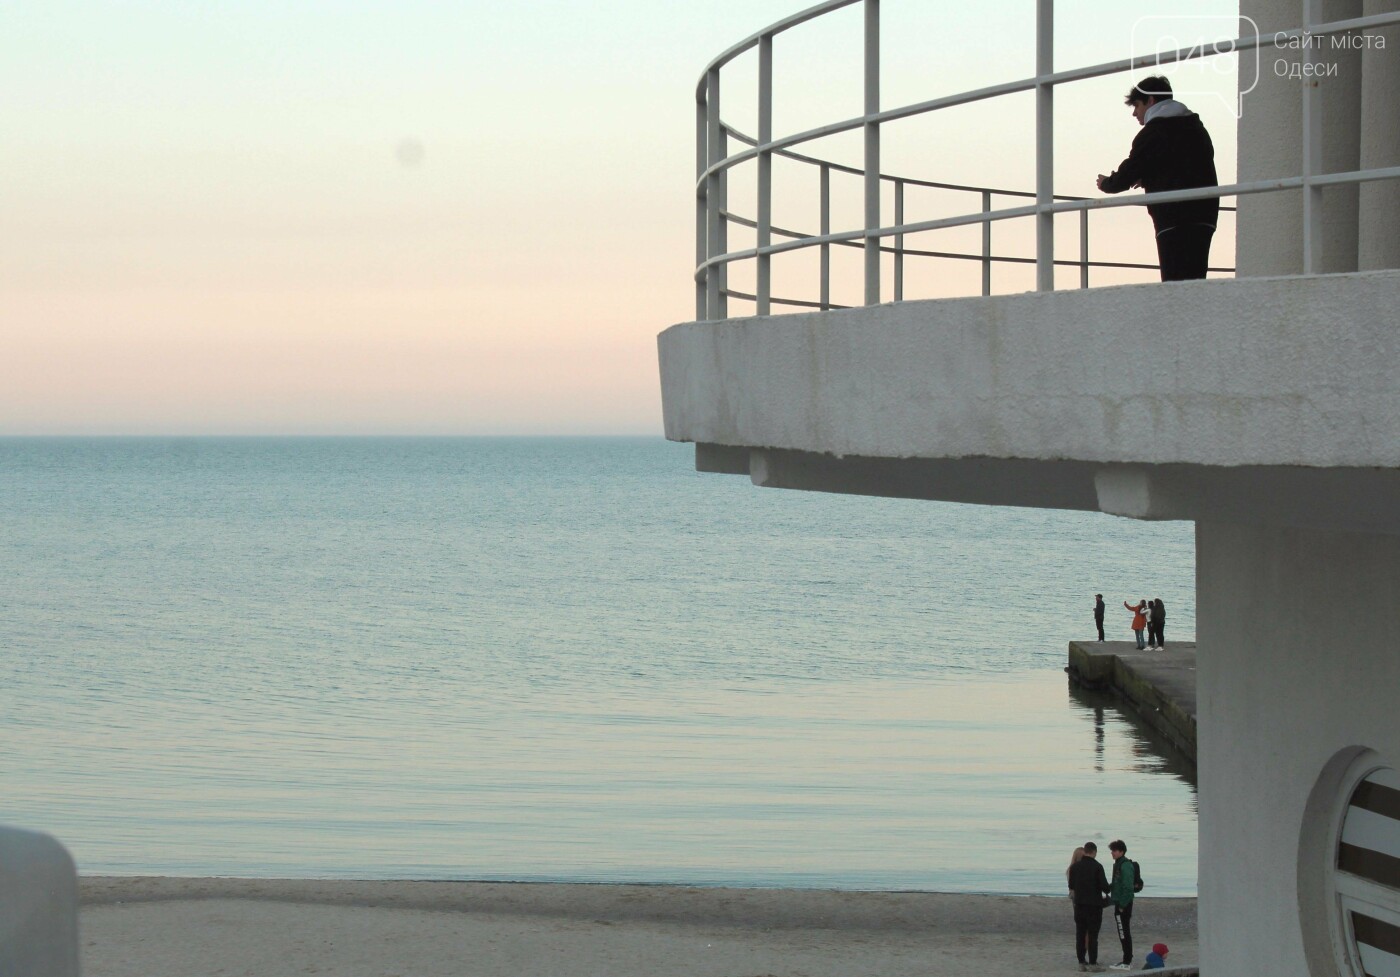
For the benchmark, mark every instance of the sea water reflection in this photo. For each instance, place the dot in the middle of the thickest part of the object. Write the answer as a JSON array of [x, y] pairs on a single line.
[[974, 784], [1155, 753]]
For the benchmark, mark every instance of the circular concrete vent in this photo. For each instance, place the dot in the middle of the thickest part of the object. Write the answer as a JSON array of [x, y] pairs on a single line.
[[1368, 875]]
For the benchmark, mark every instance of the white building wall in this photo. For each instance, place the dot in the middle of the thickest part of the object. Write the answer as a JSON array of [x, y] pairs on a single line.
[[1298, 659], [1296, 630]]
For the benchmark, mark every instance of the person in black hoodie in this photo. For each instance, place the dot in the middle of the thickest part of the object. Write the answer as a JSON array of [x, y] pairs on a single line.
[[1172, 152], [1087, 887]]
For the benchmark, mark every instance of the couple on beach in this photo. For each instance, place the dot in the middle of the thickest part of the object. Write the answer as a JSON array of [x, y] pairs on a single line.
[[1088, 888]]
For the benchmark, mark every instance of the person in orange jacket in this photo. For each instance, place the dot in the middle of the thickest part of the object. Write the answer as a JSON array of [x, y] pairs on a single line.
[[1139, 621]]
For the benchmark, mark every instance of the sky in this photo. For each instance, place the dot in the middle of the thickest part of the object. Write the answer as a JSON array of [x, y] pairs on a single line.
[[461, 218]]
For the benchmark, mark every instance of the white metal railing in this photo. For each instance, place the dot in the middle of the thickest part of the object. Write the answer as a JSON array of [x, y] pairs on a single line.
[[985, 256], [713, 163]]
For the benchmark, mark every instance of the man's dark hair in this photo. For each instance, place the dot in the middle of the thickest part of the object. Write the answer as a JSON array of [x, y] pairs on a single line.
[[1155, 87], [1090, 848], [1118, 846]]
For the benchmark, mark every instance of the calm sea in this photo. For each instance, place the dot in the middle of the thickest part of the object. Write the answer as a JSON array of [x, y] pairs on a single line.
[[563, 659]]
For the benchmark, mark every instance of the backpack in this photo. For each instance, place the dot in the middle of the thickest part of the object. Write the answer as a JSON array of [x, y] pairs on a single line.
[[1137, 875]]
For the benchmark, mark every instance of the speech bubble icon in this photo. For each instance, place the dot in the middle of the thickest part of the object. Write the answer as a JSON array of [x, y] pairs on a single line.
[[1174, 39]]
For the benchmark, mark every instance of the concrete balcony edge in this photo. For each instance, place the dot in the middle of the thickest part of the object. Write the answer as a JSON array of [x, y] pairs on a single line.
[[1181, 400]]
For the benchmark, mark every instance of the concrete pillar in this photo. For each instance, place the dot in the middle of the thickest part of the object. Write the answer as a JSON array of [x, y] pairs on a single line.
[[1379, 230], [38, 906], [1269, 235], [1341, 146], [1296, 665]]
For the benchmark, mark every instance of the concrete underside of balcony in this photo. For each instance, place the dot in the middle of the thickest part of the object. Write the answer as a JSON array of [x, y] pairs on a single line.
[[1268, 400]]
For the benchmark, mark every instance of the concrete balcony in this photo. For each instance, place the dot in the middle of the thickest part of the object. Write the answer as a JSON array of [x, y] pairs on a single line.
[[1265, 400]]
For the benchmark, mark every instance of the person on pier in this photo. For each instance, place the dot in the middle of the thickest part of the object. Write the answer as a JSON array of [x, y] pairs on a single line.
[[1139, 621]]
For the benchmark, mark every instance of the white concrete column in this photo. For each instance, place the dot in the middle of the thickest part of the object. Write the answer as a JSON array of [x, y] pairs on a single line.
[[1379, 230], [1269, 226], [1269, 234], [1340, 143], [1296, 663]]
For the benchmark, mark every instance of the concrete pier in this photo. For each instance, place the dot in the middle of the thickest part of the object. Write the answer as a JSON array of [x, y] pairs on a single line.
[[1160, 685]]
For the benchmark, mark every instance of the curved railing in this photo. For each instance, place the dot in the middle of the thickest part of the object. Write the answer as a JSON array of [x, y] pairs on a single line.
[[714, 161]]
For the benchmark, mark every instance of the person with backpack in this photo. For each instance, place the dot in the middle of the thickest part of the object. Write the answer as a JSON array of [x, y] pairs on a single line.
[[1126, 881]]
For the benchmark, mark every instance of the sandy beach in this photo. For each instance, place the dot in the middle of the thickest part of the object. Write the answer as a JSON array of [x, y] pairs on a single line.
[[170, 927]]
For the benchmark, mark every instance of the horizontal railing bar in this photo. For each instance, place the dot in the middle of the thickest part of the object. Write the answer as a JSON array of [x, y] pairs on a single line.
[[778, 27], [803, 303], [848, 125], [1243, 43], [921, 253], [1355, 176], [1065, 207], [1054, 78], [895, 178], [857, 171]]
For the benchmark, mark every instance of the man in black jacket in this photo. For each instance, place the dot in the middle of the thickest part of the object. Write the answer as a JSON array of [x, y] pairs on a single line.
[[1087, 887], [1098, 614], [1172, 152]]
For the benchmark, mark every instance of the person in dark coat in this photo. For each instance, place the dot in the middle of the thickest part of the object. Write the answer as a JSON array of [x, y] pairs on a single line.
[[1172, 152], [1098, 614], [1087, 887], [1157, 621]]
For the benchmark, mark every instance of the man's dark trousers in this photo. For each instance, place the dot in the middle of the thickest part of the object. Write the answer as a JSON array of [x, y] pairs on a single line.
[[1087, 920], [1123, 916], [1184, 252]]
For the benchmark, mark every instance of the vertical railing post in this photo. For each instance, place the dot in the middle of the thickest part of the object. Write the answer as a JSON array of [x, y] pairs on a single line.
[[702, 206], [716, 299], [764, 288], [899, 241], [1312, 148], [1083, 249], [825, 223], [1044, 146], [986, 244], [872, 152]]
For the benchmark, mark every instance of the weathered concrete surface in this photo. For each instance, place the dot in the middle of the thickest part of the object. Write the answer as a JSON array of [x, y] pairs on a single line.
[[1266, 401], [1259, 372], [1161, 685]]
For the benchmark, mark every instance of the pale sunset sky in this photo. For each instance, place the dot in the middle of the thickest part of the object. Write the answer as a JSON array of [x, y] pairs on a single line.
[[458, 217]]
